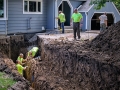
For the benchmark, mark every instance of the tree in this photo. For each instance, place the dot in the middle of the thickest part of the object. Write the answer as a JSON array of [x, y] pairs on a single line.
[[101, 3]]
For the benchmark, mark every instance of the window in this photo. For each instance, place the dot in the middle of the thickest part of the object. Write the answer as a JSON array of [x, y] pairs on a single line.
[[32, 6], [3, 7]]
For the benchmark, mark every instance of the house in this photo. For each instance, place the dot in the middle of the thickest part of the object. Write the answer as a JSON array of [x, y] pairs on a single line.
[[91, 16], [30, 16]]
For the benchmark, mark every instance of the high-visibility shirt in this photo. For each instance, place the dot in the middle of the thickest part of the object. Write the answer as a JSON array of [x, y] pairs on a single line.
[[34, 50], [62, 17], [20, 59], [76, 17], [20, 68]]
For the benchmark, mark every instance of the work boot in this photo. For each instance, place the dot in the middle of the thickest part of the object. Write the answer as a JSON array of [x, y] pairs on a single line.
[[78, 39]]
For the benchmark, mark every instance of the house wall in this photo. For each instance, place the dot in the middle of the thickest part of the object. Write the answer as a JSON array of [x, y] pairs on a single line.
[[3, 26], [108, 8], [74, 3], [50, 14], [18, 22]]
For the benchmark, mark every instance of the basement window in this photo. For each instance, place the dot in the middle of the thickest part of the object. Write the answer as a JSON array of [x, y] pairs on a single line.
[[32, 6]]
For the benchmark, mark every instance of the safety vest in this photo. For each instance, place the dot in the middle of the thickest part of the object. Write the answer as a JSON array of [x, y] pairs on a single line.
[[20, 68], [20, 59], [34, 50]]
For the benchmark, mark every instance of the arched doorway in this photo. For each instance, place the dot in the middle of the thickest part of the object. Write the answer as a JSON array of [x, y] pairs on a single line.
[[66, 9], [95, 22]]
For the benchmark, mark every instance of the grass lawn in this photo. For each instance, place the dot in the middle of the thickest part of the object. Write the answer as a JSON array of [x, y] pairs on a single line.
[[5, 81]]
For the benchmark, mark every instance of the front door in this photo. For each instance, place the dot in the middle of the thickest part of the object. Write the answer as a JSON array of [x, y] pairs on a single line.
[[66, 9]]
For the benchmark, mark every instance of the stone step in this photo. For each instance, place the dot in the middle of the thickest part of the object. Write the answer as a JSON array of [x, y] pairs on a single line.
[[68, 27], [68, 30], [93, 31]]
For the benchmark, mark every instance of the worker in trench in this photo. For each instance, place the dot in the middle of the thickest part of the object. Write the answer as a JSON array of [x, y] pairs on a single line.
[[32, 53], [20, 68], [22, 62], [21, 59]]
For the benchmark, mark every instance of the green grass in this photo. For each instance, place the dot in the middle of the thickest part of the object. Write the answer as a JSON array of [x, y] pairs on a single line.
[[5, 81]]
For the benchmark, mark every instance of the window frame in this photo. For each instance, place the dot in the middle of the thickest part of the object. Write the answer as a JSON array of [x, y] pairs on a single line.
[[5, 11], [36, 8]]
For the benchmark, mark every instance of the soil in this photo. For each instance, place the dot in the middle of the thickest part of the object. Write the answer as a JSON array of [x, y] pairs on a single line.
[[108, 42], [104, 48]]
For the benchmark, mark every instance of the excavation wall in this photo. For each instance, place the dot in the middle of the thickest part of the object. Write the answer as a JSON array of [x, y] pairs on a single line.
[[64, 65], [13, 45], [10, 45], [82, 68]]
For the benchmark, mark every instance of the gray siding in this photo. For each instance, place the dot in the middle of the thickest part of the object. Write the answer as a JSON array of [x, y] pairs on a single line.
[[3, 26], [50, 14], [108, 8], [18, 22]]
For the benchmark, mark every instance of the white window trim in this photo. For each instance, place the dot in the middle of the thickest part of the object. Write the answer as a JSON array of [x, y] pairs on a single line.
[[5, 10], [37, 8]]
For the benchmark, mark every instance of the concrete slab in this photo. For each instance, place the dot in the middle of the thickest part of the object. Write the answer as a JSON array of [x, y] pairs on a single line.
[[68, 36]]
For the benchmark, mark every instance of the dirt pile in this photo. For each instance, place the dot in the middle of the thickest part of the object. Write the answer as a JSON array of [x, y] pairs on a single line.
[[79, 67], [108, 41]]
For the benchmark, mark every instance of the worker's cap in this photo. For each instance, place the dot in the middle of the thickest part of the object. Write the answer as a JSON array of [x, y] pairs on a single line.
[[21, 54], [75, 9], [60, 11]]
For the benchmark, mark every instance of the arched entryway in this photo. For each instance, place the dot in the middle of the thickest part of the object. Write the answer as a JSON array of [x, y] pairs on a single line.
[[66, 9], [95, 22]]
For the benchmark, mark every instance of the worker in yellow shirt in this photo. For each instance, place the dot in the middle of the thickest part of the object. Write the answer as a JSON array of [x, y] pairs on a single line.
[[20, 68], [77, 19], [32, 53], [20, 58], [62, 19]]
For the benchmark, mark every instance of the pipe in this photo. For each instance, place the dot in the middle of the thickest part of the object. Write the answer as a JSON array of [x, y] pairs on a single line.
[[29, 26]]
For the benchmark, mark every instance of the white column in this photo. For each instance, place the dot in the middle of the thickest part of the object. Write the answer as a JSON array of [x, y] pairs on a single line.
[[86, 20], [56, 14]]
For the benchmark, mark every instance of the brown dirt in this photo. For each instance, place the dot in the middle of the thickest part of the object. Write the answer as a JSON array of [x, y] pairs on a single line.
[[108, 42], [97, 62], [73, 65], [77, 66]]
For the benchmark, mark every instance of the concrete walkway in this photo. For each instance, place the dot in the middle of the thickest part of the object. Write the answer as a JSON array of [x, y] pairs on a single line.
[[68, 36]]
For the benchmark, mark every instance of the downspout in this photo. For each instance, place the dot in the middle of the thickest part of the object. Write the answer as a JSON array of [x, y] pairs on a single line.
[[86, 13], [6, 21], [6, 29], [56, 13], [53, 15]]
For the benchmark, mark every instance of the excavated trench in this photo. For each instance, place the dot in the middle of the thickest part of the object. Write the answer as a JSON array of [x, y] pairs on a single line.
[[64, 64]]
